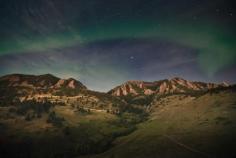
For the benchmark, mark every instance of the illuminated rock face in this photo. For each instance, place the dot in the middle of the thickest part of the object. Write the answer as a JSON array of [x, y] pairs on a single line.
[[69, 83], [48, 83], [29, 84], [174, 85]]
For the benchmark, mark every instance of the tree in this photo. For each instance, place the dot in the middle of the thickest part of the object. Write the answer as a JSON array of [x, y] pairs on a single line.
[[55, 120], [28, 117]]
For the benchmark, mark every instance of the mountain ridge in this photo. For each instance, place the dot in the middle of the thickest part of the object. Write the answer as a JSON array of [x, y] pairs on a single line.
[[49, 83], [173, 85], [23, 85], [56, 111]]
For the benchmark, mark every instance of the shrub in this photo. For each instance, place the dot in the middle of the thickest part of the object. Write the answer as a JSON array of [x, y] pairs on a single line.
[[30, 116], [37, 107], [55, 120]]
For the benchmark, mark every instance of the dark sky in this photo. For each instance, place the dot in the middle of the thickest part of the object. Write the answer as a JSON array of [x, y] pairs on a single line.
[[106, 42]]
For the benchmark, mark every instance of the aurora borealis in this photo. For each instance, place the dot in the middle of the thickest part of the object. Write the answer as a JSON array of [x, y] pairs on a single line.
[[106, 42]]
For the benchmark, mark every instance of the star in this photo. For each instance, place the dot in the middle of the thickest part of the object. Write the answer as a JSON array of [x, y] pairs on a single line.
[[131, 57]]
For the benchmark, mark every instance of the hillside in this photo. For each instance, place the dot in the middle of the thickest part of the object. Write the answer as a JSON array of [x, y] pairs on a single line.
[[178, 118], [40, 112], [183, 126], [22, 85], [19, 88]]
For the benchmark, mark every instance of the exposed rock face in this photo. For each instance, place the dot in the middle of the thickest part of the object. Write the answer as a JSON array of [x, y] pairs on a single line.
[[174, 85], [60, 83], [37, 84], [225, 84], [163, 87], [44, 81], [73, 84], [29, 84], [128, 88], [69, 83], [148, 92]]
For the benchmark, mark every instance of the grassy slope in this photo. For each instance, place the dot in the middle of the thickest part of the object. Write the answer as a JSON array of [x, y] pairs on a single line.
[[179, 126], [183, 127], [80, 134]]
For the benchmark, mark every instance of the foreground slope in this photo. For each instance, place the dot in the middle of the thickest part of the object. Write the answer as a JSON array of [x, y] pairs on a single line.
[[183, 126]]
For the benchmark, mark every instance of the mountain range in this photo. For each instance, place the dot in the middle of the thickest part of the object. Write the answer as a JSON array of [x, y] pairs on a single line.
[[45, 116], [48, 83], [174, 85], [39, 83]]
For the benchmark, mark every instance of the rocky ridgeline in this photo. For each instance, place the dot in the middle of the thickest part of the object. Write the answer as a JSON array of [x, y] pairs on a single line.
[[174, 85]]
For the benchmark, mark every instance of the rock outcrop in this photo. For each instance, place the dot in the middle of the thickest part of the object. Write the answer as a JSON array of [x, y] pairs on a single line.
[[174, 85]]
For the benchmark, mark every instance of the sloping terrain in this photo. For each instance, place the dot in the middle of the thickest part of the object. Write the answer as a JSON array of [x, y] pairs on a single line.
[[183, 126], [17, 88], [45, 116], [59, 118], [23, 85]]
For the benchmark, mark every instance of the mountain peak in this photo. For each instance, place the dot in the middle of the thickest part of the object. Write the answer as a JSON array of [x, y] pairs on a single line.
[[69, 83], [134, 81], [47, 75], [225, 84], [177, 79], [46, 83], [173, 85]]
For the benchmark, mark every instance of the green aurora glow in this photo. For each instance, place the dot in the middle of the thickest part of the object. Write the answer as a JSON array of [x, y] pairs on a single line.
[[216, 46]]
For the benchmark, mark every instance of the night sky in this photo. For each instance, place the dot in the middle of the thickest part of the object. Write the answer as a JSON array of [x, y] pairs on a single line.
[[103, 43]]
